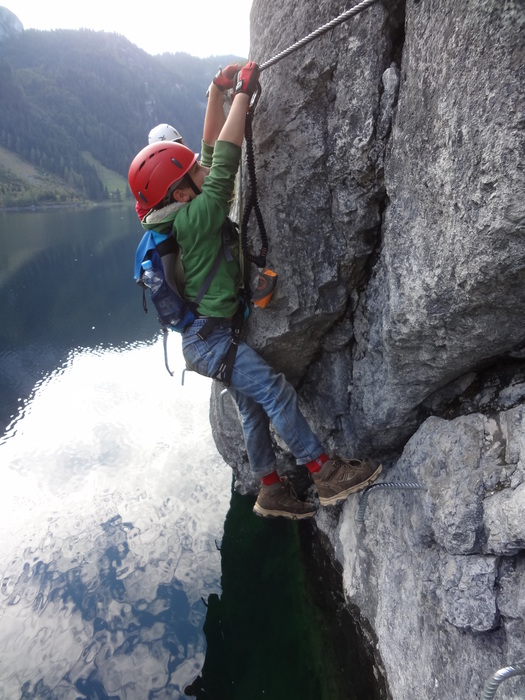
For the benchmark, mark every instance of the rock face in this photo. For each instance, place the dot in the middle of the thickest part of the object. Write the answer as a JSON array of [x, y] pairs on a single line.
[[389, 165], [9, 24], [440, 573]]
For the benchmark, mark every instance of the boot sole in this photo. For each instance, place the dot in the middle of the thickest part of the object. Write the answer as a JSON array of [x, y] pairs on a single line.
[[331, 500], [265, 513]]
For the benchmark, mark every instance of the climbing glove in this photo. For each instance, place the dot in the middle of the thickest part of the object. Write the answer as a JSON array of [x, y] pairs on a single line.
[[224, 79], [247, 79]]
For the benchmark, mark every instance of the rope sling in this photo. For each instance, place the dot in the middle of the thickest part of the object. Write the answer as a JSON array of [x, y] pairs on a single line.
[[267, 278]]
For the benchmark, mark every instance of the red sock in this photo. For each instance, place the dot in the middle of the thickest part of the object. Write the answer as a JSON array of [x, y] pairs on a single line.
[[316, 464], [270, 479]]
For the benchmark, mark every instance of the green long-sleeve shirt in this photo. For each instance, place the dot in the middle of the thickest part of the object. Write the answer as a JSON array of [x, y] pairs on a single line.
[[197, 225]]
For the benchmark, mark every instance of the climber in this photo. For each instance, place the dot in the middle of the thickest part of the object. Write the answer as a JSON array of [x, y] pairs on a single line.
[[161, 132], [194, 199], [164, 132]]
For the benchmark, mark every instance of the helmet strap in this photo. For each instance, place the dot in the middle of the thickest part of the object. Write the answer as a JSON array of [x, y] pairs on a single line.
[[193, 185]]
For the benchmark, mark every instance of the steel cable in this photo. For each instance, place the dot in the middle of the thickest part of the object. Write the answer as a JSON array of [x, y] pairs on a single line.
[[318, 32]]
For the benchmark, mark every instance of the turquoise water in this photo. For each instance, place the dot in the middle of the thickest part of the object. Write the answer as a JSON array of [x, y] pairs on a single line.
[[129, 568]]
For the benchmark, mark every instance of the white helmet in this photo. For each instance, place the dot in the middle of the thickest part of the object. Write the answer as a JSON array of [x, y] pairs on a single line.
[[164, 132]]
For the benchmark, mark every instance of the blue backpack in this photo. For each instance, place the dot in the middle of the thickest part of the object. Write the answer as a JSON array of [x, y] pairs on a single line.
[[174, 311]]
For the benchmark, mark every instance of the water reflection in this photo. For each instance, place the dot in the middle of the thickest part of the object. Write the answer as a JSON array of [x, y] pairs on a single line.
[[111, 513], [114, 503], [66, 279]]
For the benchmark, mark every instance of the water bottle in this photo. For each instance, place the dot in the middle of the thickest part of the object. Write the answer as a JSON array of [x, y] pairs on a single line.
[[172, 309], [151, 277]]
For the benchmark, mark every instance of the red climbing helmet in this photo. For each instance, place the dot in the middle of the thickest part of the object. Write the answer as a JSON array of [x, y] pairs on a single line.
[[156, 168]]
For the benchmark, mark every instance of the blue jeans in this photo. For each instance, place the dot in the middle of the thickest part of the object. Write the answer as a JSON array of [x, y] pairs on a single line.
[[261, 393]]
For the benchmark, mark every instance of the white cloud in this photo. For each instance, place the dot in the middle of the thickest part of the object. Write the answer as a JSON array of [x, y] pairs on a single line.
[[201, 29]]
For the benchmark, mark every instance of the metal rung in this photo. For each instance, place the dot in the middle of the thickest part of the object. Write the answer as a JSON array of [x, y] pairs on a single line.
[[492, 685], [394, 485]]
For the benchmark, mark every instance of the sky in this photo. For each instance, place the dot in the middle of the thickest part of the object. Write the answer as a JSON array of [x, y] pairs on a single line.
[[201, 28]]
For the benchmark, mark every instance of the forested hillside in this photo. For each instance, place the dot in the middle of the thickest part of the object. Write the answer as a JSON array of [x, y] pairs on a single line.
[[78, 103]]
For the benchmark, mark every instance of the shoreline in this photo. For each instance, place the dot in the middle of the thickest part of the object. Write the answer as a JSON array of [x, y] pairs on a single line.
[[72, 205]]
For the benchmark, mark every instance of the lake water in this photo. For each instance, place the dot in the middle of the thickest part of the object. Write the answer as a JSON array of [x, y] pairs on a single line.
[[129, 569]]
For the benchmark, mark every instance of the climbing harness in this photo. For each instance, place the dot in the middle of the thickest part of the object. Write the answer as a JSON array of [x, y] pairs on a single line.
[[224, 373], [267, 277], [394, 485]]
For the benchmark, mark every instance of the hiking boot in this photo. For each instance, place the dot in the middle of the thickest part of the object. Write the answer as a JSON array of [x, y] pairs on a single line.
[[340, 477], [280, 500]]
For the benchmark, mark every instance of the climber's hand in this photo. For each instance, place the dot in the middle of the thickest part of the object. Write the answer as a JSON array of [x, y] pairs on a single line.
[[247, 79], [224, 79]]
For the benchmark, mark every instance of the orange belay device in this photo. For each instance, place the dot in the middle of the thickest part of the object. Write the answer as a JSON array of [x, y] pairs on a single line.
[[267, 278], [265, 286]]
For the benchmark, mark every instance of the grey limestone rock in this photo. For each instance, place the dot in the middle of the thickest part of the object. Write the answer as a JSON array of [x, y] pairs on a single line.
[[389, 156]]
